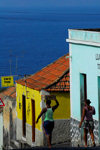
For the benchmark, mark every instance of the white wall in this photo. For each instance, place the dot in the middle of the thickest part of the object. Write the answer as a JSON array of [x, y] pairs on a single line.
[[1, 130]]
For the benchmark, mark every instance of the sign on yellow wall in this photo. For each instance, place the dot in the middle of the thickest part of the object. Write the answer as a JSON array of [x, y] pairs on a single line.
[[7, 81]]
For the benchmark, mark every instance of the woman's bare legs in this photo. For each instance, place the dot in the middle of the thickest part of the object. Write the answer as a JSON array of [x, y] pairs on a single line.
[[92, 136], [49, 140], [85, 136]]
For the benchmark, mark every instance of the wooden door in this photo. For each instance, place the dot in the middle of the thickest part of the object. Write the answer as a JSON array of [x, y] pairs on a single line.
[[33, 120], [24, 115]]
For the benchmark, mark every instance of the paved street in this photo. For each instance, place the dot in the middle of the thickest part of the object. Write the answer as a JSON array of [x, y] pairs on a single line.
[[66, 146]]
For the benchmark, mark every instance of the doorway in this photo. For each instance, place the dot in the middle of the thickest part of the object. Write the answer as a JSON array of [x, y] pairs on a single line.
[[33, 120], [83, 90], [24, 115], [83, 96]]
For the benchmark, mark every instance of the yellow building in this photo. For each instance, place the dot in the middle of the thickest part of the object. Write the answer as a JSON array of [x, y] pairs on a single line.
[[30, 92]]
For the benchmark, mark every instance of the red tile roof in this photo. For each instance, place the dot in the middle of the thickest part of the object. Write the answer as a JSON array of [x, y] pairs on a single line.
[[11, 92], [49, 76], [62, 84]]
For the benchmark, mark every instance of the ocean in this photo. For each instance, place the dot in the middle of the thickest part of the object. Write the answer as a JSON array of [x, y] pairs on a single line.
[[30, 39]]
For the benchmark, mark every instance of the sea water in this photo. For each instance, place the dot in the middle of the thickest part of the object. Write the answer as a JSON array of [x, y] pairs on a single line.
[[30, 39]]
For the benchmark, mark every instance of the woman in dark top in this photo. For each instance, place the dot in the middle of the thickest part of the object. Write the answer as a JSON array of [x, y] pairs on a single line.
[[87, 117], [48, 123]]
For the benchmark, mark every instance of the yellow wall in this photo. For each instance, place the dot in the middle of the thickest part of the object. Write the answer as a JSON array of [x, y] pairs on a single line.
[[63, 111], [31, 94]]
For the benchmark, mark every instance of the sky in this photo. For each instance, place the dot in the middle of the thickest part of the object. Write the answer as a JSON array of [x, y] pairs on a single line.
[[49, 3]]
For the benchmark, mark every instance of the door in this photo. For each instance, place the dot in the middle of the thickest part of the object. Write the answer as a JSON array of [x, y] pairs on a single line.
[[33, 120], [83, 95], [24, 115], [83, 90]]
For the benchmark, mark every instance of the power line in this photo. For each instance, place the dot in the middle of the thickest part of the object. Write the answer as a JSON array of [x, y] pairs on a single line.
[[16, 63]]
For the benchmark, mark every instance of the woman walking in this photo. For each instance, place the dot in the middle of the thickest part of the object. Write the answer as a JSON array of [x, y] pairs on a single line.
[[87, 117], [48, 123]]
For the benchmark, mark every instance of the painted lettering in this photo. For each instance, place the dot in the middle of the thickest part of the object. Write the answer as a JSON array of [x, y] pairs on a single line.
[[19, 105], [6, 81], [98, 66], [97, 56]]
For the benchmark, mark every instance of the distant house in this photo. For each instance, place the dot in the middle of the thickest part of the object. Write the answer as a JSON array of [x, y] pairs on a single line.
[[30, 92], [84, 51], [9, 115]]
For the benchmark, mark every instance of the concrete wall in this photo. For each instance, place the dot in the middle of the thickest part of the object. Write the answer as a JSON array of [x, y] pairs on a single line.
[[77, 134], [9, 120], [61, 131], [85, 53], [28, 138], [63, 111], [19, 129], [83, 35], [1, 130], [83, 61], [38, 136]]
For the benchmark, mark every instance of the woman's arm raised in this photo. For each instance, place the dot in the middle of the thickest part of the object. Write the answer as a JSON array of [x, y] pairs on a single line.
[[57, 104], [41, 113]]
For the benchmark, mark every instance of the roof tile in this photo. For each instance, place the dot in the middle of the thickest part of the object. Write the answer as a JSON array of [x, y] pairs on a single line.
[[11, 92], [49, 75]]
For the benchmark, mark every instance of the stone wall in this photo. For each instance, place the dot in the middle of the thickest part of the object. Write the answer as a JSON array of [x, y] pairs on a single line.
[[61, 132], [77, 134], [9, 120], [96, 133]]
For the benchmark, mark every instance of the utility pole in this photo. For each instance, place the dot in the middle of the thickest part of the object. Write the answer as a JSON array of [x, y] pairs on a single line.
[[17, 61], [10, 66], [10, 61], [16, 64]]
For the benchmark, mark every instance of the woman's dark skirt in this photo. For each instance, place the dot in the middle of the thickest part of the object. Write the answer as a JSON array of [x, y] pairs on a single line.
[[48, 126], [88, 124]]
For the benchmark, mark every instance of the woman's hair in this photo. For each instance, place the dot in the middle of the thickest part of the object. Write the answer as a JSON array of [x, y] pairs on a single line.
[[88, 102], [48, 102]]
